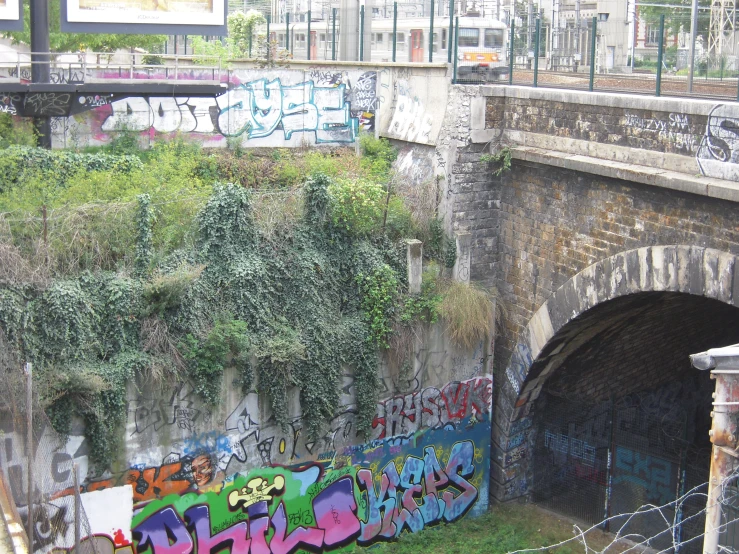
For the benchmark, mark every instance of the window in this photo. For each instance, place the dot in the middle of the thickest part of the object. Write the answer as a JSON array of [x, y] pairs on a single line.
[[322, 38], [469, 37], [300, 39], [436, 42], [443, 39], [652, 35], [493, 38], [400, 42], [376, 41], [379, 38]]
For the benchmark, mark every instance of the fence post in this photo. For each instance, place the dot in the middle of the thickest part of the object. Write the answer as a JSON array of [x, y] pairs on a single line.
[[269, 46], [431, 34], [510, 61], [537, 37], [395, 28], [361, 33], [333, 37], [251, 36], [77, 502], [456, 39], [29, 451], [660, 52], [287, 31], [451, 30], [593, 41], [308, 57]]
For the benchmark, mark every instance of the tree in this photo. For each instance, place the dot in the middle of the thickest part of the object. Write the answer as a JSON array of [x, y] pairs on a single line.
[[241, 27], [74, 42], [677, 18]]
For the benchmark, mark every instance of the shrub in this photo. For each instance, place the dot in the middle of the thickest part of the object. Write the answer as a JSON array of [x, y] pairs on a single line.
[[357, 205], [468, 313], [378, 292]]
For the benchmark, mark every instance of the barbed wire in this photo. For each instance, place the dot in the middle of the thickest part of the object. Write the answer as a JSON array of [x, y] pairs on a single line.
[[671, 513]]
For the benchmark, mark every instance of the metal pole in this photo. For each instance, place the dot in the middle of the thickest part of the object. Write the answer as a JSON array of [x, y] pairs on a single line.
[[592, 53], [361, 33], [251, 36], [537, 36], [451, 30], [77, 522], [40, 62], [510, 61], [660, 52], [308, 35], [29, 451], [269, 46], [456, 40], [287, 31], [395, 28], [333, 37], [431, 34]]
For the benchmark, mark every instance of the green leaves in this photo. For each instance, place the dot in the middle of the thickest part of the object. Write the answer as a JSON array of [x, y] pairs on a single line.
[[378, 290]]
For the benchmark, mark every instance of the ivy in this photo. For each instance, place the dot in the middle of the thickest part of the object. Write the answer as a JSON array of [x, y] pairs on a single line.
[[145, 238], [378, 290]]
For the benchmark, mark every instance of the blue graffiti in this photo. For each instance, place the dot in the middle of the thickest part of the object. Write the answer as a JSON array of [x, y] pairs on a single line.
[[653, 474], [259, 107]]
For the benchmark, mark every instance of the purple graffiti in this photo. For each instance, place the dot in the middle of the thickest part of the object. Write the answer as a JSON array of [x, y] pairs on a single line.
[[335, 516]]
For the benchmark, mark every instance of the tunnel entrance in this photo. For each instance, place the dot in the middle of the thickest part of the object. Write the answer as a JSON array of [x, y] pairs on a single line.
[[623, 419]]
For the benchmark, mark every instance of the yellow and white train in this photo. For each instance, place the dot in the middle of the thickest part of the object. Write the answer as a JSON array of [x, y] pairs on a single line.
[[481, 48]]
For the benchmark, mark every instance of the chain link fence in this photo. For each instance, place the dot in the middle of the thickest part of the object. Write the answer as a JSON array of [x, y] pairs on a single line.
[[40, 462], [602, 463]]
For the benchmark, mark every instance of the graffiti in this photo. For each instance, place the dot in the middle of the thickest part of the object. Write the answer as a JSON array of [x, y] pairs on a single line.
[[94, 101], [519, 366], [162, 114], [516, 455], [363, 94], [259, 107], [100, 544], [655, 475], [47, 103], [10, 103], [393, 504], [432, 407], [520, 425], [281, 510], [410, 121], [575, 448], [718, 153], [62, 76], [675, 129], [179, 410]]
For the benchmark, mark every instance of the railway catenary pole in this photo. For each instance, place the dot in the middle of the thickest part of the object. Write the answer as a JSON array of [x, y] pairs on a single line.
[[691, 54], [333, 36], [431, 34], [40, 62], [308, 56], [450, 36], [395, 29]]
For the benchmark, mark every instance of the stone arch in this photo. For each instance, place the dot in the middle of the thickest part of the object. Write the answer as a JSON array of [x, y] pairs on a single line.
[[686, 269]]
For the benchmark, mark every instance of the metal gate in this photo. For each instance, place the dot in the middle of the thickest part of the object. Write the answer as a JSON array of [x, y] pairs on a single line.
[[595, 462]]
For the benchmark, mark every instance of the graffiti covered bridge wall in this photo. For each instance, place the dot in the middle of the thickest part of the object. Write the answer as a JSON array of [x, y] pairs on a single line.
[[289, 106]]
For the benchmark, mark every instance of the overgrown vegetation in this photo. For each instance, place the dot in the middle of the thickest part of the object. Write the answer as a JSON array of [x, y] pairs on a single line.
[[122, 265]]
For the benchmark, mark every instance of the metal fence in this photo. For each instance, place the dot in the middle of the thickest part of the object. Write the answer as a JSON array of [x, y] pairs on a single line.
[[596, 462]]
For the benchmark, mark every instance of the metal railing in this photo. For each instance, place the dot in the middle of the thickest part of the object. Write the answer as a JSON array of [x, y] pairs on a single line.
[[97, 66]]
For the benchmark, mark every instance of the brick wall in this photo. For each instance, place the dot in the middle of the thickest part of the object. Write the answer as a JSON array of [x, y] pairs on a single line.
[[645, 129]]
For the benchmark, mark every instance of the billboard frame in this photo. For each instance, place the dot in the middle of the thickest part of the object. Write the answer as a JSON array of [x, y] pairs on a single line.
[[13, 8], [133, 28]]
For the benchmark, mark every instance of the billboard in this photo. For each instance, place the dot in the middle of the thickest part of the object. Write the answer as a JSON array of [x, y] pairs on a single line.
[[11, 17], [185, 17]]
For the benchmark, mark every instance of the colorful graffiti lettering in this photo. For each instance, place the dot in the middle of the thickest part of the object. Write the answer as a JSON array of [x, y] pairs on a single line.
[[280, 510], [655, 475]]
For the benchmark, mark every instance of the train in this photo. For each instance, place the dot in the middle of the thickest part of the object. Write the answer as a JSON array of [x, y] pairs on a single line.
[[481, 43]]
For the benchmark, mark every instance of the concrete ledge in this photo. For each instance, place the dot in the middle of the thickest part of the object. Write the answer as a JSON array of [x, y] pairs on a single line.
[[690, 106], [703, 186]]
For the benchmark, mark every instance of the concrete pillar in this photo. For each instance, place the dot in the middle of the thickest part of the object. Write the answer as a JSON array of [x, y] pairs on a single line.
[[461, 271], [415, 265], [724, 366]]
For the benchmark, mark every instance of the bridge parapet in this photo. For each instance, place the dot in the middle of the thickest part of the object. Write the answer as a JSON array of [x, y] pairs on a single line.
[[683, 144]]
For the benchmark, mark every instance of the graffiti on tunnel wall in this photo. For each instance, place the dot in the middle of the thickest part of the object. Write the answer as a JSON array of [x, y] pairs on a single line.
[[287, 108]]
